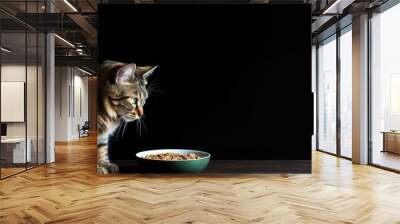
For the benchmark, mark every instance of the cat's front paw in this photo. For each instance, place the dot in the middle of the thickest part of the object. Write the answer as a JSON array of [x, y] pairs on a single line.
[[107, 168], [112, 168], [102, 170]]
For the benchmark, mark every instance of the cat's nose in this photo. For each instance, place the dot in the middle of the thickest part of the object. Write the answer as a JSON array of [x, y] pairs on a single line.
[[139, 111]]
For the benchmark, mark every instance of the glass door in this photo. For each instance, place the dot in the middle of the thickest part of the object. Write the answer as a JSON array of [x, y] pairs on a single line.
[[14, 156], [22, 78], [327, 96]]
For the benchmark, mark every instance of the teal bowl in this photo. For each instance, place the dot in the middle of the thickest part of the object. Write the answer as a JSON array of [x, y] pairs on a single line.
[[173, 166]]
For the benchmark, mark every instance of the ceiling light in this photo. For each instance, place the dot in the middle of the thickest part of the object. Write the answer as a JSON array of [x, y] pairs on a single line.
[[84, 71], [65, 41], [70, 5], [326, 11], [337, 7], [5, 50]]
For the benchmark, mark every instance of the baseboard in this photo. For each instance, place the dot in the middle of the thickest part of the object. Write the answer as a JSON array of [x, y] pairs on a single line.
[[259, 166], [239, 166]]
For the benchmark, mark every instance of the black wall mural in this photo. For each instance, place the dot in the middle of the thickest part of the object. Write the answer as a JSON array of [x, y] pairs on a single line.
[[232, 80]]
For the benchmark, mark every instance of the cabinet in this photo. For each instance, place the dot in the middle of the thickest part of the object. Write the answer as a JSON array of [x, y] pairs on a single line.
[[391, 141], [13, 150]]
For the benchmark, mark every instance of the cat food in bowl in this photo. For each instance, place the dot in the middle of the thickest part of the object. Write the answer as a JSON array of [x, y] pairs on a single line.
[[173, 160], [172, 156]]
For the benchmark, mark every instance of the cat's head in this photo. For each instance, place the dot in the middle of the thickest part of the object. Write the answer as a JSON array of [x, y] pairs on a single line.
[[125, 92]]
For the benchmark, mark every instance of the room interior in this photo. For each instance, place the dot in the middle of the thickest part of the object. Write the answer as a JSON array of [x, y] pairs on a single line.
[[22, 105], [50, 61]]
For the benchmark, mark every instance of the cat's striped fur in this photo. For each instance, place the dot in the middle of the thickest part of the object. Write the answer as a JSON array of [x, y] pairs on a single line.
[[121, 97]]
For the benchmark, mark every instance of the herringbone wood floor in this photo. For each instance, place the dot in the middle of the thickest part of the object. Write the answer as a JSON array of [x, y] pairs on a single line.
[[70, 191]]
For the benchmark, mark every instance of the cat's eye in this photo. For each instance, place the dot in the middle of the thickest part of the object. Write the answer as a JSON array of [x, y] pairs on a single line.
[[133, 100], [119, 98]]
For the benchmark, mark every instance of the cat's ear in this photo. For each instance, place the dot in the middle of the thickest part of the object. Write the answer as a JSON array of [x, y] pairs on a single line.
[[146, 71], [125, 74]]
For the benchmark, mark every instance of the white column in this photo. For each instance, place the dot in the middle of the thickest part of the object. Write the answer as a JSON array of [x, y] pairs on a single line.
[[50, 92], [360, 90], [50, 98]]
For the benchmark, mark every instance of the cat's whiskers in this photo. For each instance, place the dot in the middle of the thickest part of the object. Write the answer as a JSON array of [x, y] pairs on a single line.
[[138, 128], [142, 119], [153, 87], [154, 94], [153, 84]]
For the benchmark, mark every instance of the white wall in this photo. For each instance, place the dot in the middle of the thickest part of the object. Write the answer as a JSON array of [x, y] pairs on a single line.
[[61, 103], [33, 127], [71, 102], [15, 72]]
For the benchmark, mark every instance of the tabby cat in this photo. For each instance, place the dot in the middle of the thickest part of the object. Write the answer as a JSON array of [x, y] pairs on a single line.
[[121, 97]]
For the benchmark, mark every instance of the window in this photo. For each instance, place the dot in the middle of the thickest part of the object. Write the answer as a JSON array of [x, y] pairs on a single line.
[[346, 93], [327, 95], [385, 88]]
